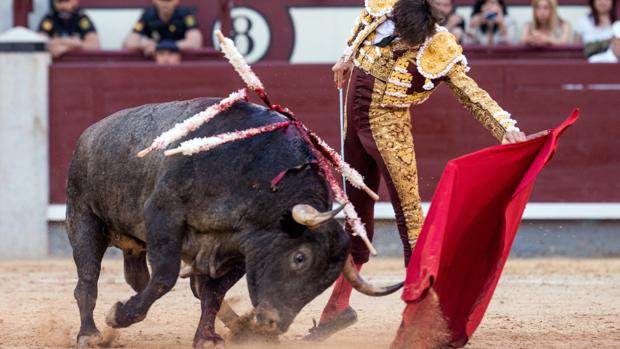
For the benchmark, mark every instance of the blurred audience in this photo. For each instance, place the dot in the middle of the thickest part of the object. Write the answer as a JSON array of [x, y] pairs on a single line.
[[612, 55], [547, 28], [167, 53], [166, 20], [450, 19], [490, 24], [68, 28], [594, 30]]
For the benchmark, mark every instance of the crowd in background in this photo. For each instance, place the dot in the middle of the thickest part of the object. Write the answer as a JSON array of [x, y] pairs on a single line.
[[491, 24], [166, 29]]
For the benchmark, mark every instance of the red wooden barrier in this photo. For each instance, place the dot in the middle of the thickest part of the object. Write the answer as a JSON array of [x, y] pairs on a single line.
[[21, 9], [189, 55], [539, 93], [475, 52]]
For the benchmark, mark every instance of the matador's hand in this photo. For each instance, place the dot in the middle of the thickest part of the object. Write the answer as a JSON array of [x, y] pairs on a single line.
[[537, 134], [341, 69], [513, 137], [516, 137]]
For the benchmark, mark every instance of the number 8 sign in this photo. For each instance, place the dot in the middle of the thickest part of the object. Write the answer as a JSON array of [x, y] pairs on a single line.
[[250, 32]]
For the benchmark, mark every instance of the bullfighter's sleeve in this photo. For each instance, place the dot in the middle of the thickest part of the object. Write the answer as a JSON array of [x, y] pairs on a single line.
[[478, 102]]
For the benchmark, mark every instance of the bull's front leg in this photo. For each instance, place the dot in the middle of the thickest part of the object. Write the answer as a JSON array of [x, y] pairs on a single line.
[[165, 231], [211, 293]]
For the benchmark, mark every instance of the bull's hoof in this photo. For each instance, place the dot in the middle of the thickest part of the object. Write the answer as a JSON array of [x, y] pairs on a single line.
[[210, 342], [119, 316], [110, 317], [89, 341]]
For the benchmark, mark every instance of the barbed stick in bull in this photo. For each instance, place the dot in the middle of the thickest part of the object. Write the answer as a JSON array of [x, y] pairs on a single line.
[[254, 83], [326, 156], [318, 146], [182, 129]]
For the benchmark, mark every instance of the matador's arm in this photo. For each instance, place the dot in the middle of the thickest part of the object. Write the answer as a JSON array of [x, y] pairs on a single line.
[[478, 102]]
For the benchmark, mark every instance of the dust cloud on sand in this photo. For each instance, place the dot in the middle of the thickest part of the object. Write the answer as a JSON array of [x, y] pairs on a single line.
[[540, 303], [53, 328]]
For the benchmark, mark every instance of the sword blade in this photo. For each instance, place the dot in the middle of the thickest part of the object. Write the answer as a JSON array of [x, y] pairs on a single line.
[[342, 131]]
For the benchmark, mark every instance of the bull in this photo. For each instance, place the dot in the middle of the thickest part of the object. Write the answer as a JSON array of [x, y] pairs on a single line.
[[216, 211]]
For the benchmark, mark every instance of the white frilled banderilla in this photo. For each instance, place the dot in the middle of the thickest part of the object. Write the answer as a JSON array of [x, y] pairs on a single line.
[[326, 157]]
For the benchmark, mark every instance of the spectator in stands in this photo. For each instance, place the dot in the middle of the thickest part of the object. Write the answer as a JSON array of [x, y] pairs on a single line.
[[547, 28], [612, 55], [594, 30], [68, 28], [450, 19], [166, 20], [167, 53], [490, 24]]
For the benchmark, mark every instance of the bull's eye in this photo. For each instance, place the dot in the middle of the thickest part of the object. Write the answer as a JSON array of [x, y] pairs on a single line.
[[298, 260]]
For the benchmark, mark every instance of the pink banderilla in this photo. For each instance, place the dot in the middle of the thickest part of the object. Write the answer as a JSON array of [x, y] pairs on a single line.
[[182, 129], [324, 154], [198, 145]]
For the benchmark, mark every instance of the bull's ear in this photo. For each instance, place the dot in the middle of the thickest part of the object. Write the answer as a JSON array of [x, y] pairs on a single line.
[[290, 226]]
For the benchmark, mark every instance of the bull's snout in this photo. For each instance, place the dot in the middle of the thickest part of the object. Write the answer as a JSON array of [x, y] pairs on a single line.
[[268, 319]]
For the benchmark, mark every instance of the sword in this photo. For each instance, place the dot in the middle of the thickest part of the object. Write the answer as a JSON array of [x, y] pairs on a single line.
[[342, 131]]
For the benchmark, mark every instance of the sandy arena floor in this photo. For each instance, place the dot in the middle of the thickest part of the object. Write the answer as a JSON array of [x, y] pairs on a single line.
[[542, 303]]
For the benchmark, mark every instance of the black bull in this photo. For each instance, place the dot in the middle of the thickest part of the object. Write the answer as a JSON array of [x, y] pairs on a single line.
[[216, 211]]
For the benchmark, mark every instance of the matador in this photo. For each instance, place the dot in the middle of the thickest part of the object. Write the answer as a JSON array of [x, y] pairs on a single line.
[[395, 59]]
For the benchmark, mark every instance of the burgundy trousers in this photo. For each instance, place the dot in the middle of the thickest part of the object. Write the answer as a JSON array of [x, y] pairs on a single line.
[[363, 153]]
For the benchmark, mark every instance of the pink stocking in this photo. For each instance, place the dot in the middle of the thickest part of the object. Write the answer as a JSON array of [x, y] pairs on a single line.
[[339, 300]]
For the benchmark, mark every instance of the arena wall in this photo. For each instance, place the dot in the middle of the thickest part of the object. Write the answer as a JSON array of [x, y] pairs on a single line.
[[575, 209], [539, 93]]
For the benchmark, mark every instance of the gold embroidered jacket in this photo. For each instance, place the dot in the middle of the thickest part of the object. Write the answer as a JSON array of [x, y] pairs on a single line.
[[412, 74]]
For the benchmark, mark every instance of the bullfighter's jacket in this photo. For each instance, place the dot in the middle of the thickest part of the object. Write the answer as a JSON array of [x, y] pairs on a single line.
[[412, 74]]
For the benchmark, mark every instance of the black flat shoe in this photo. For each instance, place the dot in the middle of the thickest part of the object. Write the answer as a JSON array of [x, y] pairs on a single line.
[[323, 330]]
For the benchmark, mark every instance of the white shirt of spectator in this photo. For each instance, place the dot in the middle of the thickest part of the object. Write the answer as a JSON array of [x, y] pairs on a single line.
[[604, 57], [591, 33], [386, 29]]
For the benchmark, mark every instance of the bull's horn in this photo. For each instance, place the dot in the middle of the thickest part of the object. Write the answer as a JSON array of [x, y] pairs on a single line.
[[358, 283], [310, 217]]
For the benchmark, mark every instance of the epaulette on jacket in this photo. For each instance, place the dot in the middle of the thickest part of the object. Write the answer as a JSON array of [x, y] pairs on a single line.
[[396, 63], [437, 55]]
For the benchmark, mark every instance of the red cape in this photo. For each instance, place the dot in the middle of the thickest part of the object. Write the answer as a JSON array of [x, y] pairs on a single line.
[[470, 227]]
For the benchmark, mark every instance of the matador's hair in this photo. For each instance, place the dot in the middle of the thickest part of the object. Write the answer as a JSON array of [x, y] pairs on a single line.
[[415, 20]]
